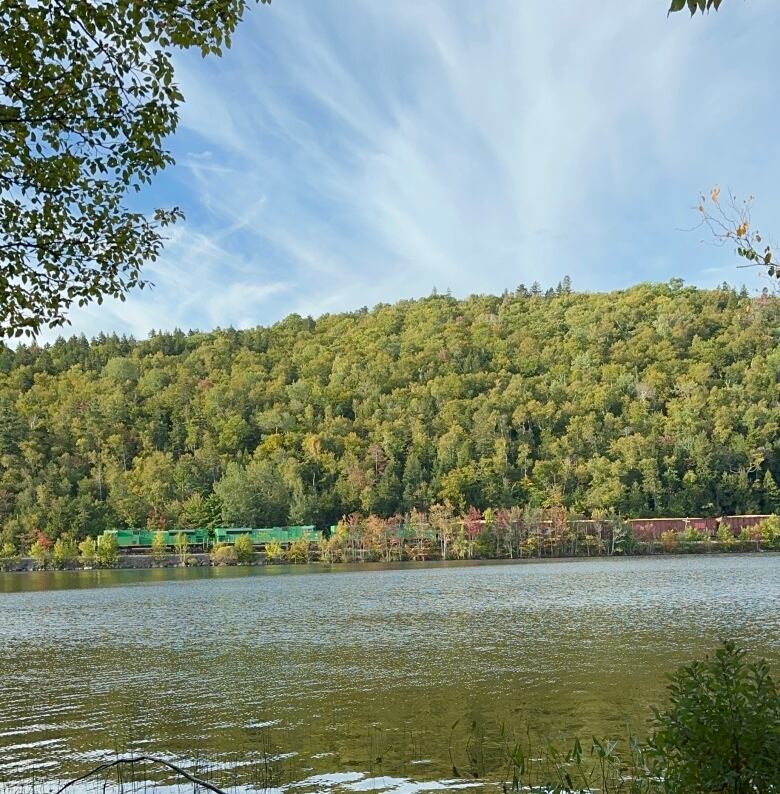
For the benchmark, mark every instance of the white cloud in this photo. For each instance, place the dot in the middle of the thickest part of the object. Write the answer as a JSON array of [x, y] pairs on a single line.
[[344, 155]]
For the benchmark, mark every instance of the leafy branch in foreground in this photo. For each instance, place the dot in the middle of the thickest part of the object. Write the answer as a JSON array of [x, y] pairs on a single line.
[[87, 97], [730, 222], [694, 5]]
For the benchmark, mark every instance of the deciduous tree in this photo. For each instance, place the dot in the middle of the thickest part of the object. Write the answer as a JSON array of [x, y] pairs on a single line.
[[87, 98]]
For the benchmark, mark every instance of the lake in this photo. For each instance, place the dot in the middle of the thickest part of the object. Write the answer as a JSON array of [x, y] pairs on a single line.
[[356, 677]]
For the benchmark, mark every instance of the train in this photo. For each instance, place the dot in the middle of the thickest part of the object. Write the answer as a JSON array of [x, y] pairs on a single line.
[[131, 540], [642, 529], [650, 529]]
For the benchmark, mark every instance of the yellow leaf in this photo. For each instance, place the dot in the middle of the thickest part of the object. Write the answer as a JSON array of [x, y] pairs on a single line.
[[715, 194]]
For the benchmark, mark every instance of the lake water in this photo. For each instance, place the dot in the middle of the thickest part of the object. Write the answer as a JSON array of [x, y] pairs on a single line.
[[322, 679]]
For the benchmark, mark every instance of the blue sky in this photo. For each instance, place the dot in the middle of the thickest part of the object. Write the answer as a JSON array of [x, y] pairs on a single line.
[[349, 152]]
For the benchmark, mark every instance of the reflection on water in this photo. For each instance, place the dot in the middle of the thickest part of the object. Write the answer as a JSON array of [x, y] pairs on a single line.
[[283, 675]]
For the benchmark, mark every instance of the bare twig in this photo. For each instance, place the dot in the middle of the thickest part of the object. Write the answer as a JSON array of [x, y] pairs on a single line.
[[133, 759]]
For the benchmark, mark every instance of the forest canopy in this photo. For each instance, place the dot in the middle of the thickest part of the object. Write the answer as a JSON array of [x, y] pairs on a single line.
[[656, 400]]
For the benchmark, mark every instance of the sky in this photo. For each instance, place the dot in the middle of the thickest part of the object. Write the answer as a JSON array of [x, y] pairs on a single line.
[[345, 153]]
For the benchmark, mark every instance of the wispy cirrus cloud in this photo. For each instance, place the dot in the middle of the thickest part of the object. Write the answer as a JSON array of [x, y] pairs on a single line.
[[342, 155]]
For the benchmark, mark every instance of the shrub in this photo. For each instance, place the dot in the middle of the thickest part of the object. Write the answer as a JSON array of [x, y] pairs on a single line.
[[41, 553], [182, 546], [245, 551], [273, 551], [747, 536], [724, 535], [530, 545], [669, 540], [324, 551], [592, 545], [88, 551], [66, 551], [298, 551], [722, 729], [107, 550], [223, 555], [693, 535], [7, 556], [769, 532], [721, 733], [159, 546]]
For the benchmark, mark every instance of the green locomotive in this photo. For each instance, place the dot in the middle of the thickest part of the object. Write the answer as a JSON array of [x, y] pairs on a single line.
[[203, 539]]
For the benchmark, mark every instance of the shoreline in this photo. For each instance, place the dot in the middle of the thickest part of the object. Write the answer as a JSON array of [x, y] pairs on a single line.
[[203, 560]]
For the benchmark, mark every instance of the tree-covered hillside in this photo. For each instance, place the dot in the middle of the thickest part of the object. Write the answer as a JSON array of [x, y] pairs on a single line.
[[659, 400]]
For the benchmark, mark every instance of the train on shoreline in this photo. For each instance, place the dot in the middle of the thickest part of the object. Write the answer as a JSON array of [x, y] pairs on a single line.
[[203, 539], [642, 529]]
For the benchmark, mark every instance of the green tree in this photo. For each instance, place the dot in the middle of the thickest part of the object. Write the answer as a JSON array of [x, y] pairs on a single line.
[[771, 493], [40, 554], [88, 551], [769, 532], [442, 521], [656, 400], [151, 480], [182, 546], [245, 551], [198, 512], [107, 550], [88, 98], [65, 551], [7, 555], [254, 495], [724, 535], [159, 546], [41, 549], [721, 731], [274, 551], [298, 551]]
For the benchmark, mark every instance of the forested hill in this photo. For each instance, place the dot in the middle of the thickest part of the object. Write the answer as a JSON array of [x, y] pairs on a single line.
[[659, 400]]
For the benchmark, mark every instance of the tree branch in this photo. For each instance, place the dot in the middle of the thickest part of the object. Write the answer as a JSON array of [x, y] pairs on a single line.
[[133, 759]]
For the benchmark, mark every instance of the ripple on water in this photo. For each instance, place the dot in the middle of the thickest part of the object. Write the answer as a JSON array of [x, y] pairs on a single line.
[[317, 673]]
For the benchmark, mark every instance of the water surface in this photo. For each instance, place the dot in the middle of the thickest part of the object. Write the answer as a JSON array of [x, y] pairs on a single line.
[[284, 674]]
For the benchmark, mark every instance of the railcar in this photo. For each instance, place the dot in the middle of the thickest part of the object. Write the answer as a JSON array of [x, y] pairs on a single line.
[[130, 540], [284, 536]]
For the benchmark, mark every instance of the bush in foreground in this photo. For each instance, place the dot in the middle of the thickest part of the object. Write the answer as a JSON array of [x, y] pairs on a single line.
[[721, 731]]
